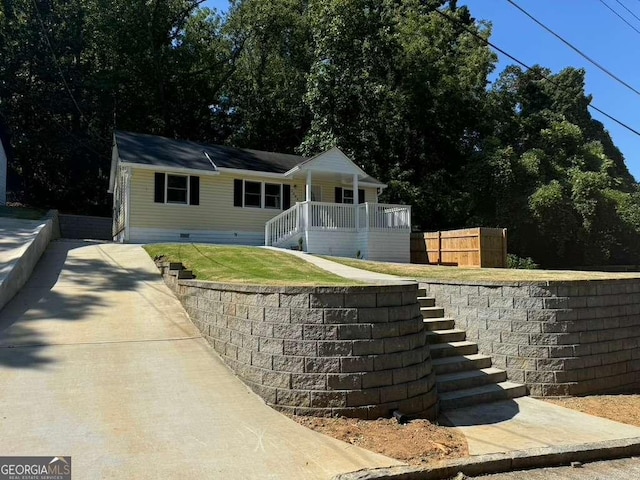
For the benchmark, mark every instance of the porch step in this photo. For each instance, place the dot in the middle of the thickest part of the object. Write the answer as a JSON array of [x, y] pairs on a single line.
[[422, 292], [432, 312], [482, 394], [460, 363], [451, 349], [446, 335], [469, 379], [185, 275], [427, 301], [445, 323]]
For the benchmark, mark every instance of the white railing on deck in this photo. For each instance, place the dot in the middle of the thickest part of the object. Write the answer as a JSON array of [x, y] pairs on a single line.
[[330, 216], [284, 225], [381, 216], [336, 216]]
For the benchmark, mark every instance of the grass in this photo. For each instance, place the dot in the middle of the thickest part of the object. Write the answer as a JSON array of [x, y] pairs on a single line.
[[440, 273], [21, 213], [246, 265]]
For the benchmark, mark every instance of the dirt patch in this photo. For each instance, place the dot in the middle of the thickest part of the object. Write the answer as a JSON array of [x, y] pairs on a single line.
[[417, 442], [620, 408]]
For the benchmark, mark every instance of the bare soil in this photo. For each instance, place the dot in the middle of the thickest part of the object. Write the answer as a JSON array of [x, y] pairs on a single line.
[[620, 408], [417, 442]]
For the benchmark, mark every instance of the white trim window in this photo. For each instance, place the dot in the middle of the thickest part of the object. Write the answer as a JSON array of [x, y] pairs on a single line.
[[252, 194], [176, 189]]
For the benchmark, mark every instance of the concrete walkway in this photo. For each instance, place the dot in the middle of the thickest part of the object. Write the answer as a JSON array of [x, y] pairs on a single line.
[[526, 423], [99, 361], [345, 271]]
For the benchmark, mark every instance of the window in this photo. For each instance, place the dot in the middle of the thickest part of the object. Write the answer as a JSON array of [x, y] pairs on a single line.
[[252, 194], [261, 195], [177, 189], [347, 196], [272, 195]]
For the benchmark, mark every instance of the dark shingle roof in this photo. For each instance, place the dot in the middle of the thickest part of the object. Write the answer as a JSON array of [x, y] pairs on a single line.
[[165, 152]]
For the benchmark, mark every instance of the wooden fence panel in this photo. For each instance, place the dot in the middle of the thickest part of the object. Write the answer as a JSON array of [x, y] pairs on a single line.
[[471, 247]]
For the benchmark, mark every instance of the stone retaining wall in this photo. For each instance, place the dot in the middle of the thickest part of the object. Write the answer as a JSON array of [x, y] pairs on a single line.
[[352, 351], [559, 338]]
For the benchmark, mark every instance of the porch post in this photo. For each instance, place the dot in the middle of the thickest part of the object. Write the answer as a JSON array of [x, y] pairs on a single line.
[[308, 187], [356, 200]]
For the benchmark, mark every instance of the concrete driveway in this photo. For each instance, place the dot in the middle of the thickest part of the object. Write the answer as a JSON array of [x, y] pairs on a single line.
[[99, 361]]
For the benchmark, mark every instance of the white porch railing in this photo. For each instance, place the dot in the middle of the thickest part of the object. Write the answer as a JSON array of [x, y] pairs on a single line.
[[305, 216], [285, 225], [380, 216]]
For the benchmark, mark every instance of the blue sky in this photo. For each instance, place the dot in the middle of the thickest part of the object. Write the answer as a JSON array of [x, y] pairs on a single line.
[[590, 26]]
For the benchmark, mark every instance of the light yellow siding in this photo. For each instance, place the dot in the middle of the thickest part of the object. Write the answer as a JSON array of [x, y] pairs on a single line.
[[216, 211]]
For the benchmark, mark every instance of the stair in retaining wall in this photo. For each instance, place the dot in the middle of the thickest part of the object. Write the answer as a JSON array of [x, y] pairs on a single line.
[[464, 377]]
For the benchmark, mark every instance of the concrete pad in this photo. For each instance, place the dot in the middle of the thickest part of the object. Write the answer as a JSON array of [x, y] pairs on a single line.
[[526, 423], [99, 361]]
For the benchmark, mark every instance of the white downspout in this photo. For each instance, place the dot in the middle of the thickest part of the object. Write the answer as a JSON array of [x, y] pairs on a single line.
[[127, 210]]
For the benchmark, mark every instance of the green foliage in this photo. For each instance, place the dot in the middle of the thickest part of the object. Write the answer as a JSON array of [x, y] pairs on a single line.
[[396, 85], [514, 261]]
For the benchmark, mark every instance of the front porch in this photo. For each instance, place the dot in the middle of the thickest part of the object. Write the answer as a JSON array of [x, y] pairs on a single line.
[[373, 231]]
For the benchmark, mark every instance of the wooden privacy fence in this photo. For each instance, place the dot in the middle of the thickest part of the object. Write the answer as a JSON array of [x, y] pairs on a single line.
[[470, 247]]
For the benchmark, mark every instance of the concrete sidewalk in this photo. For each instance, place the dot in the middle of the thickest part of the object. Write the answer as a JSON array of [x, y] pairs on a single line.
[[99, 361], [345, 271]]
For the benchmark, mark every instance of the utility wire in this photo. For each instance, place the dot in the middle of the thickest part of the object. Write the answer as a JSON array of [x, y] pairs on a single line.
[[521, 63], [629, 10], [574, 48], [620, 16], [55, 58]]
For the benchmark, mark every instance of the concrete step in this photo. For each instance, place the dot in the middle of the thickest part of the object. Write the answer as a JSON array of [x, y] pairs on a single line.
[[445, 323], [451, 349], [185, 275], [422, 292], [483, 394], [432, 312], [427, 301], [469, 379], [460, 363], [446, 335]]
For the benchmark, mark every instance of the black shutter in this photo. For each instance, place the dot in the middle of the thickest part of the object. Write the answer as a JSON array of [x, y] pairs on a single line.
[[360, 195], [237, 193], [194, 191], [286, 197], [159, 188], [338, 195]]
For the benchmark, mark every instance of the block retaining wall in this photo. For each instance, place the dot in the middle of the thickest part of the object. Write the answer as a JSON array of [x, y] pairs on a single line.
[[352, 351], [558, 338]]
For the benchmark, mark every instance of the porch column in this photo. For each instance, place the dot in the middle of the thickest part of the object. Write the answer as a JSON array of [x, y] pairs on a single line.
[[356, 200], [308, 187]]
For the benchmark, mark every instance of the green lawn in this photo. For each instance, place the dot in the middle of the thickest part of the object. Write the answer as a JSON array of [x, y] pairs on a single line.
[[434, 272], [248, 265], [21, 212]]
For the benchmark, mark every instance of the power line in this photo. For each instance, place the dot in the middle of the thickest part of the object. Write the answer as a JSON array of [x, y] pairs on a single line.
[[521, 63], [574, 48], [629, 10], [620, 16]]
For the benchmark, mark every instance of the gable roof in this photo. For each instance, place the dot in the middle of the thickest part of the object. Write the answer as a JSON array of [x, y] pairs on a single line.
[[142, 149]]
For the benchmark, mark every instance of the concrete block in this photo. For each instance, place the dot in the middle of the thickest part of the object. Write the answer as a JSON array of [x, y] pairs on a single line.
[[328, 399], [308, 381], [267, 300], [322, 365], [277, 315], [300, 348], [340, 315], [287, 331], [276, 379], [528, 303], [368, 347], [326, 300], [501, 302], [373, 315], [262, 360], [262, 329], [287, 363], [354, 332], [388, 361], [356, 364], [343, 381], [385, 330], [478, 301], [392, 299], [271, 345], [293, 398], [307, 316], [255, 313], [360, 398], [533, 351], [361, 300], [335, 348], [296, 300], [377, 379], [393, 393], [398, 344], [404, 312]]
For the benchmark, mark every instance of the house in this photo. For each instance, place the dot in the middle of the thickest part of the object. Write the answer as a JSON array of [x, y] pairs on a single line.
[[168, 190]]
